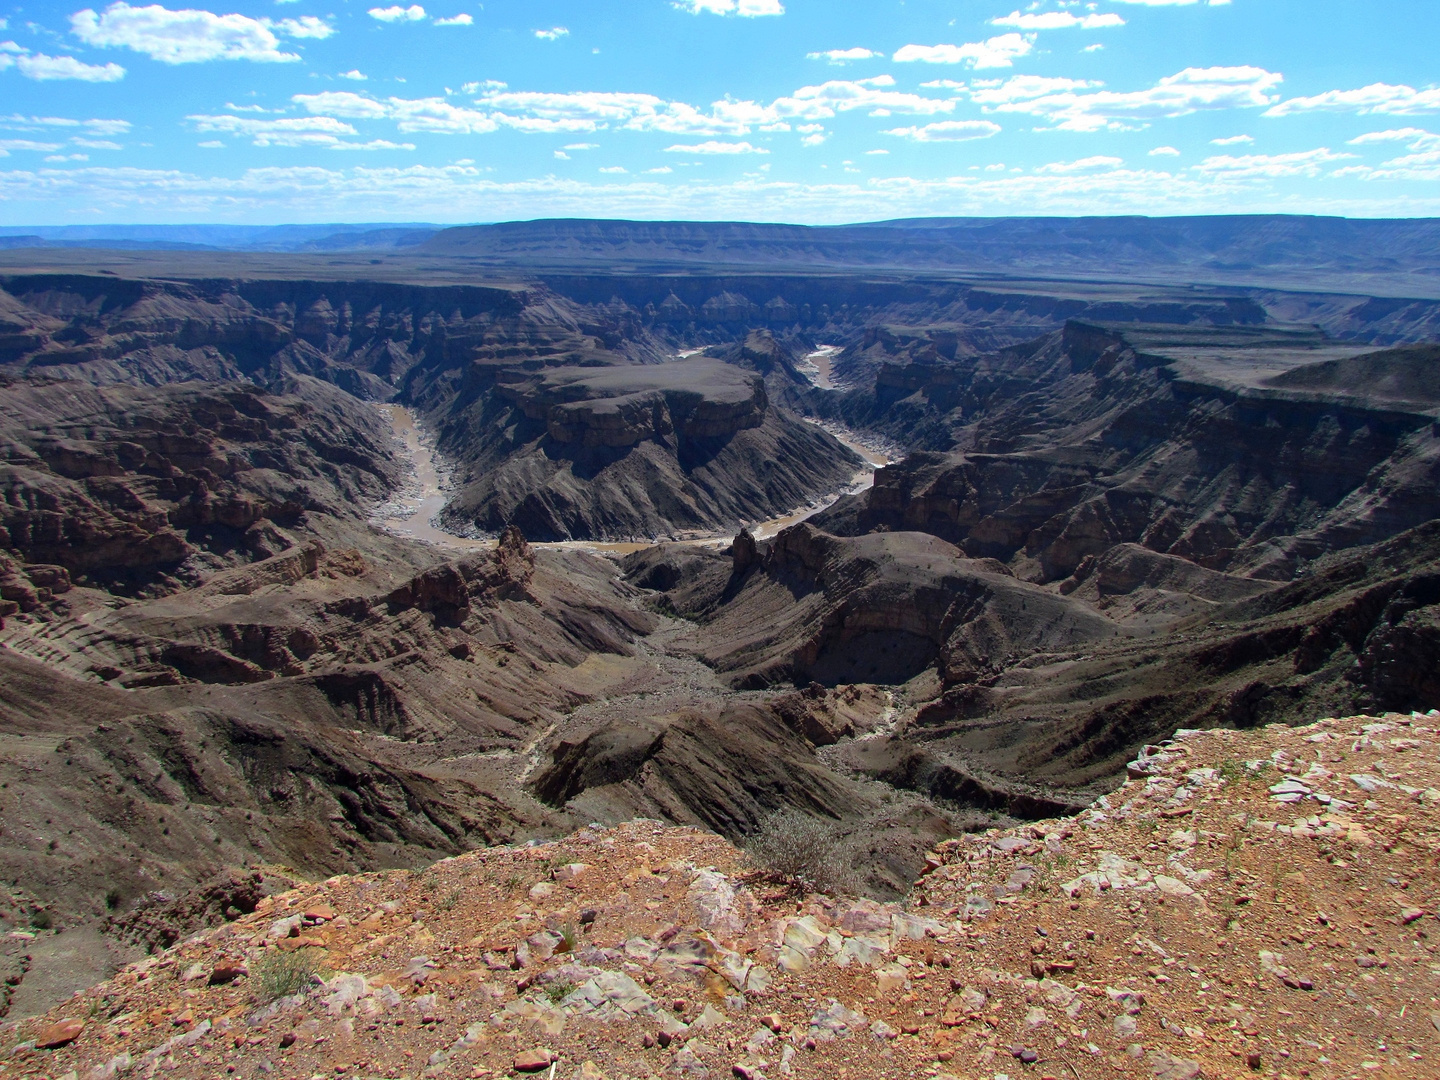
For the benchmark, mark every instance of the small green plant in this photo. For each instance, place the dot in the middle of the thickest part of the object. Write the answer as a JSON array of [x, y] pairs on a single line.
[[449, 900], [1232, 771], [284, 974], [569, 938], [112, 899], [557, 992]]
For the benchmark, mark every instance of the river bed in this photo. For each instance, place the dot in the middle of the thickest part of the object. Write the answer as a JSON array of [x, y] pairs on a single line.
[[414, 511]]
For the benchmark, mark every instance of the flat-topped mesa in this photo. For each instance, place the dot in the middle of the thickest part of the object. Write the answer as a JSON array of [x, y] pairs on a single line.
[[625, 405]]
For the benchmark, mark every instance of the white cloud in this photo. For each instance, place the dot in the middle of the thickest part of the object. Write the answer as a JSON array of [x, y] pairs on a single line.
[[7, 145], [663, 169], [746, 9], [17, 122], [307, 26], [44, 68], [615, 169], [948, 131], [189, 36], [824, 101], [1376, 98], [553, 34], [1097, 47], [1304, 163], [584, 112], [1233, 140], [1186, 92], [211, 144], [1083, 165], [97, 144], [714, 147], [396, 13], [1057, 20], [1024, 88], [1174, 3], [1164, 151], [582, 146], [462, 19], [354, 75], [1417, 138], [324, 132], [876, 153], [944, 84], [561, 155], [841, 56], [411, 115], [815, 139], [463, 193], [997, 52]]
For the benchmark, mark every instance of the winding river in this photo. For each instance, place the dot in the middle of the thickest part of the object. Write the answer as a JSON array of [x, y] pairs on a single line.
[[414, 511]]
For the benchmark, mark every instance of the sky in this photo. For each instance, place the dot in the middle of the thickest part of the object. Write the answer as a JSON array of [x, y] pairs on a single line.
[[809, 111]]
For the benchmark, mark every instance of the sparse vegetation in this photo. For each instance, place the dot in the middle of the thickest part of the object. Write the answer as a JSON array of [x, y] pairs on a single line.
[[283, 974], [804, 851], [557, 992], [570, 938]]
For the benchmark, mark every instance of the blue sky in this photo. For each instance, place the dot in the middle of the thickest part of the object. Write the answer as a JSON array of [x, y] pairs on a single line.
[[817, 111]]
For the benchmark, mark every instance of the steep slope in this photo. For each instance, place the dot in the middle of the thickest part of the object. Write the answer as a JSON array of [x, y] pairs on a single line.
[[1246, 902], [1177, 440]]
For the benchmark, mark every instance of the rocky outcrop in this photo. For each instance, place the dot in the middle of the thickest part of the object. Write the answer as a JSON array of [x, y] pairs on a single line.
[[126, 484], [1098, 437]]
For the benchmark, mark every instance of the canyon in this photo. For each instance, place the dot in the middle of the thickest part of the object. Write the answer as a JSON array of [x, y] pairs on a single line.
[[315, 564]]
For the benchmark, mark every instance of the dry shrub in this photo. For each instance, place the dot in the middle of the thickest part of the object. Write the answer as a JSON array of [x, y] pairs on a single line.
[[803, 850], [283, 974]]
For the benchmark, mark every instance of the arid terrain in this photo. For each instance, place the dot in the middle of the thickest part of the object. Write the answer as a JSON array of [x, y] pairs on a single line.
[[316, 566]]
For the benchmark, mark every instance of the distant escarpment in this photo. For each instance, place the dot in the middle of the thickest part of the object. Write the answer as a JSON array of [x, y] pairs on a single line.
[[629, 450]]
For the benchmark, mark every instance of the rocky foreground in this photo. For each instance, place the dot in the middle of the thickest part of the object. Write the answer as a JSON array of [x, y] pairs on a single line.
[[1246, 903]]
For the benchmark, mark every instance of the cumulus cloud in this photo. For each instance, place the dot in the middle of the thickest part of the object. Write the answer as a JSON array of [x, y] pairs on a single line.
[[1164, 151], [948, 131], [1174, 3], [310, 131], [456, 20], [1023, 88], [614, 169], [1057, 20], [746, 9], [586, 112], [7, 145], [17, 122], [997, 52], [714, 147], [1303, 163], [410, 115], [354, 75], [1376, 98], [1083, 165], [1189, 91], [1417, 138], [189, 36], [396, 13], [843, 56], [1233, 140], [553, 34], [44, 68]]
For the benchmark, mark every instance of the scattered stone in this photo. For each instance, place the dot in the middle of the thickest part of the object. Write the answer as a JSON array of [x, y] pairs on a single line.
[[59, 1034], [530, 1061]]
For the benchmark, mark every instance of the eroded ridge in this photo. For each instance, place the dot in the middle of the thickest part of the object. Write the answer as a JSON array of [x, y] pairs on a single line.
[[1247, 902]]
